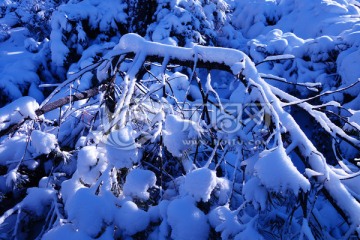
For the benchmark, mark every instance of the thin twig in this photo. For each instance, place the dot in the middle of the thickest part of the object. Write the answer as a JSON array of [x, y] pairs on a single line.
[[322, 94]]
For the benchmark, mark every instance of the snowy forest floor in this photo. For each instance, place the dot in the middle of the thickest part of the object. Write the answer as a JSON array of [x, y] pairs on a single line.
[[179, 119]]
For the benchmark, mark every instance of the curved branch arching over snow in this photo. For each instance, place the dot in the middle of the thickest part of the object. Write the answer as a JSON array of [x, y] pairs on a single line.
[[104, 171], [237, 63]]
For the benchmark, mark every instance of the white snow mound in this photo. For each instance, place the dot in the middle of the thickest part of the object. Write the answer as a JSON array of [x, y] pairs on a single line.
[[121, 148], [17, 111], [137, 183], [186, 220], [130, 219], [277, 172], [200, 183], [178, 132], [43, 143]]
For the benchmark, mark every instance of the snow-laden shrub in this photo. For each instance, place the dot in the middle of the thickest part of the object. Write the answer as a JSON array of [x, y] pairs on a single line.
[[322, 52], [76, 25], [147, 169], [161, 149], [255, 18], [186, 22], [35, 15]]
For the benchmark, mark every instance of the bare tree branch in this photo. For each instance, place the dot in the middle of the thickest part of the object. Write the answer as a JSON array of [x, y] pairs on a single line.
[[54, 105]]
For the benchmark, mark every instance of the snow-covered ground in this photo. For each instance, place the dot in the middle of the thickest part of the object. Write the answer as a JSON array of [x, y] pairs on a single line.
[[226, 119]]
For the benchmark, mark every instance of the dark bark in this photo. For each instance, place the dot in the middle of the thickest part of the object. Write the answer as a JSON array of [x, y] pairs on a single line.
[[53, 105]]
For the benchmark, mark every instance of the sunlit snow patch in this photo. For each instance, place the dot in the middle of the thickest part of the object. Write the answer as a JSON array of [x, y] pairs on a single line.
[[121, 148], [277, 172], [137, 183], [200, 183], [186, 220]]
